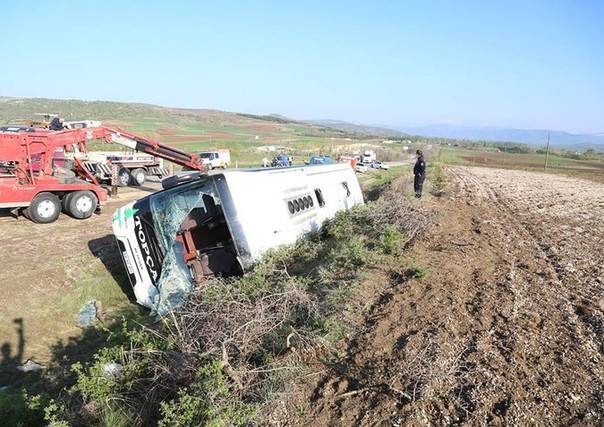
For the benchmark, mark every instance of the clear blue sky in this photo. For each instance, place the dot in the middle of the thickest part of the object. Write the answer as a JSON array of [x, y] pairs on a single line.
[[525, 64]]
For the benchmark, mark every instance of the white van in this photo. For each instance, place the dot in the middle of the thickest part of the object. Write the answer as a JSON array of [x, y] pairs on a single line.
[[216, 159], [202, 226]]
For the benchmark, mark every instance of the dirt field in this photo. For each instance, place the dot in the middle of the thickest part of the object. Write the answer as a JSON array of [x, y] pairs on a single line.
[[47, 272], [595, 170], [507, 327]]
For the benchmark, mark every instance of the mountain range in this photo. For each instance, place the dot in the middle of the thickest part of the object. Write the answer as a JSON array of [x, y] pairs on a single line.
[[538, 138], [534, 137]]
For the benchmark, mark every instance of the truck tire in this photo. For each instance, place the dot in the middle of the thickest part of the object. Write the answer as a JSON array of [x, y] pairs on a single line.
[[81, 204], [124, 177], [65, 176], [44, 208], [225, 165], [139, 176], [65, 202]]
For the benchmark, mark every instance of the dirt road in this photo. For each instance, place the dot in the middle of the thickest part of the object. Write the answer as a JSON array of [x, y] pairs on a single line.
[[506, 329]]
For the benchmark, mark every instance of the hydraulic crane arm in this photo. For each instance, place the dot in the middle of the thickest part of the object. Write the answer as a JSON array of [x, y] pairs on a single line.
[[21, 147], [149, 146]]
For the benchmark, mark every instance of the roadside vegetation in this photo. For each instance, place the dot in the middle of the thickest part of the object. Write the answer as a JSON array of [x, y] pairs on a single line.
[[233, 349]]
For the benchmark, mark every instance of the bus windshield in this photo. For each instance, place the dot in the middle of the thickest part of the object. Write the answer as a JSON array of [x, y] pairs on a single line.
[[170, 208]]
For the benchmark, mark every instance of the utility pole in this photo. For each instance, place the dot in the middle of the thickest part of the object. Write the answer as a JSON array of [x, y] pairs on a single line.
[[546, 153]]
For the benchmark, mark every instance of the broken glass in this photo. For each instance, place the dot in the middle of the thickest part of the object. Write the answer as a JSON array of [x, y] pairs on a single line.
[[169, 209]]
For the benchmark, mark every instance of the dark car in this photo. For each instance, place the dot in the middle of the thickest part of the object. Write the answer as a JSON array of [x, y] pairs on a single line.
[[21, 128], [280, 161]]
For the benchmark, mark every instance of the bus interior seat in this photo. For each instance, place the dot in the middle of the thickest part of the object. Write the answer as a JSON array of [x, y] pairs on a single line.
[[218, 262], [193, 219]]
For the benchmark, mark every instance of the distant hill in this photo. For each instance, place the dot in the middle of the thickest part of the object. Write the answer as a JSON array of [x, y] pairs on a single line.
[[537, 138], [359, 128], [20, 110]]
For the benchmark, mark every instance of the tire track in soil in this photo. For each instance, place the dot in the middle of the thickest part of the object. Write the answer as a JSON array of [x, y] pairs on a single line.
[[500, 332]]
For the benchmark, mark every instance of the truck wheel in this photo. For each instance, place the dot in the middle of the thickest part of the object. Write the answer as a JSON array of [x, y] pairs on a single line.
[[225, 165], [44, 208], [81, 204], [124, 177], [65, 202], [139, 176]]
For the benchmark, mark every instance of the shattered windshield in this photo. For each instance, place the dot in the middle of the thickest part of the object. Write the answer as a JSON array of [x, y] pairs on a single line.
[[169, 208]]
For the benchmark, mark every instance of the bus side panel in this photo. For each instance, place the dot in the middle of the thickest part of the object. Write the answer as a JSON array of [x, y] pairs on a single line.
[[263, 202]]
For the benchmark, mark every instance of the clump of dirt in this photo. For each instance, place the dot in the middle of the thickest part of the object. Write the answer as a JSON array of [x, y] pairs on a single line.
[[507, 328]]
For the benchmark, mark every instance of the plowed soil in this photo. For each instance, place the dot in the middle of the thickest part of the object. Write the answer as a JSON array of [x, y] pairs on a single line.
[[506, 328]]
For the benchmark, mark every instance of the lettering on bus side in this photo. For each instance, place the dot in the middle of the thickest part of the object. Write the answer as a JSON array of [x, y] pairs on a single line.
[[144, 244]]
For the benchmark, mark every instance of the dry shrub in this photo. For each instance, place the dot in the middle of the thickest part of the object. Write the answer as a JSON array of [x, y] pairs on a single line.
[[395, 211], [225, 321]]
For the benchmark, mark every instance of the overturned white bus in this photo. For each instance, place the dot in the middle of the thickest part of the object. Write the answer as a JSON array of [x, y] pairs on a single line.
[[201, 226]]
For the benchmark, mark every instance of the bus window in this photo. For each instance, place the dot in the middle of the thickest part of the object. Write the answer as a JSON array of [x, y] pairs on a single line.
[[320, 198]]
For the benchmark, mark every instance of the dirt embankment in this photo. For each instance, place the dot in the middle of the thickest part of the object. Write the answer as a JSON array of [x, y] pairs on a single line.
[[507, 328]]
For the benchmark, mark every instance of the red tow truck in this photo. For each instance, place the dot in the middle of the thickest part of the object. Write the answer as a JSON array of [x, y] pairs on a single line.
[[32, 178]]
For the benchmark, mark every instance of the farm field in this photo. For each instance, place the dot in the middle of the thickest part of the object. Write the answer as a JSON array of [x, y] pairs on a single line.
[[506, 329], [593, 170], [248, 137]]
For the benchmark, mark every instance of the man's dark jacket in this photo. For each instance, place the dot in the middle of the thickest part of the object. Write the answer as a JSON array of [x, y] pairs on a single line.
[[55, 124], [420, 166]]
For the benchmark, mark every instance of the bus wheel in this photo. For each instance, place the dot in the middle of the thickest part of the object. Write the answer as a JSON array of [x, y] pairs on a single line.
[[44, 208], [81, 204], [139, 176]]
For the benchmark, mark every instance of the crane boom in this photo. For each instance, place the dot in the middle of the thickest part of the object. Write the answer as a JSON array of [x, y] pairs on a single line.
[[20, 147], [30, 177]]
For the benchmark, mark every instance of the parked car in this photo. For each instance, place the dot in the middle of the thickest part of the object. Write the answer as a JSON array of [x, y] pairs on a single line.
[[22, 128], [280, 161], [379, 165], [361, 167], [320, 160]]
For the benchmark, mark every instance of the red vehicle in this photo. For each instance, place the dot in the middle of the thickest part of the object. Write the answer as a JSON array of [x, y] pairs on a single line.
[[32, 178]]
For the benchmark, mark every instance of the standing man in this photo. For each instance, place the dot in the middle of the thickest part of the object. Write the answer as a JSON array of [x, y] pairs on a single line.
[[419, 171]]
